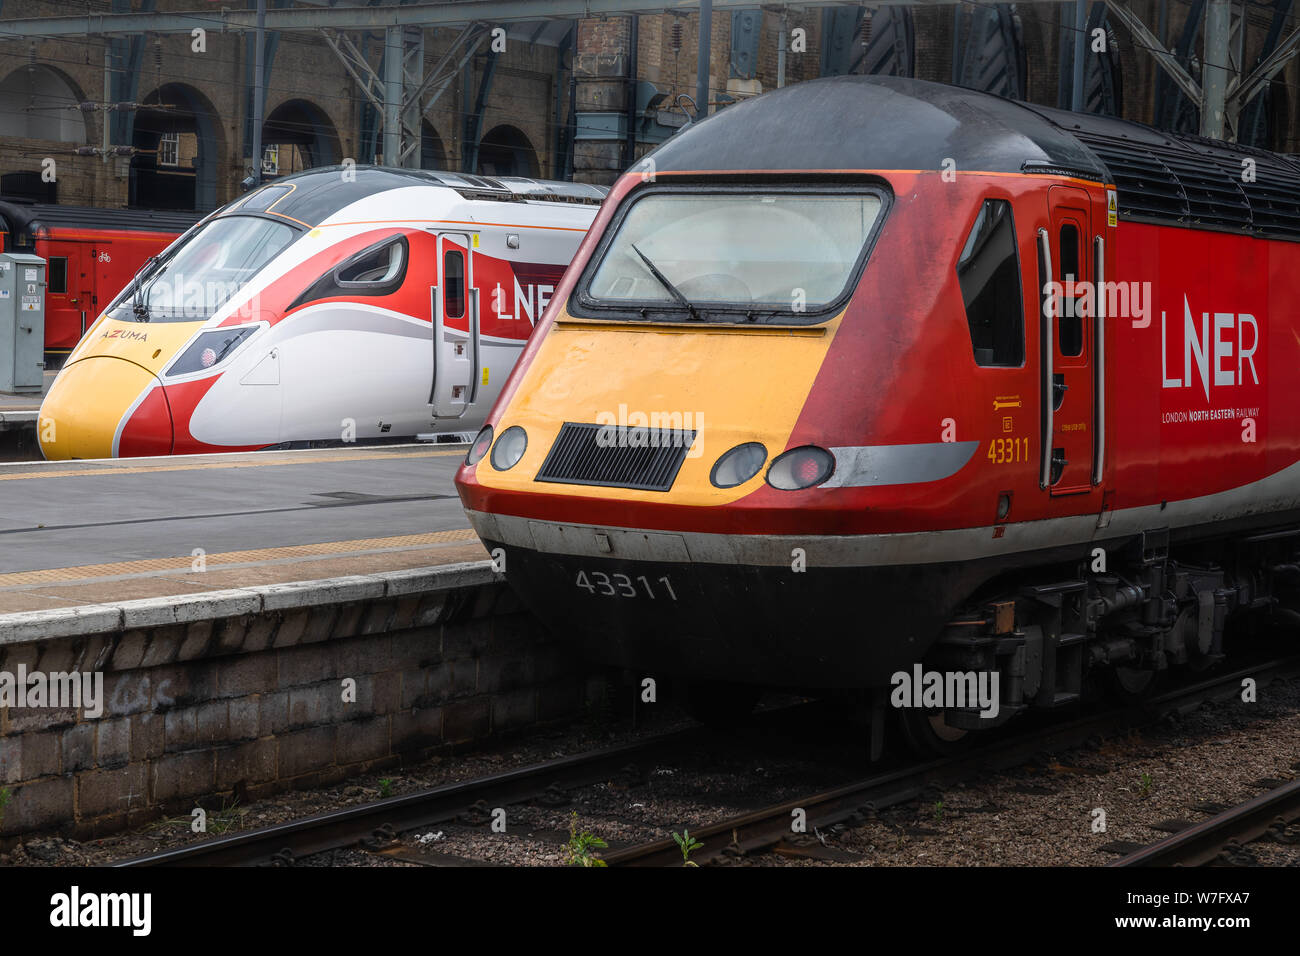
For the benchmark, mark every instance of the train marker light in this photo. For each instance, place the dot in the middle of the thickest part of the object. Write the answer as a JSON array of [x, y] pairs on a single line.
[[801, 468], [509, 448], [738, 465], [482, 443]]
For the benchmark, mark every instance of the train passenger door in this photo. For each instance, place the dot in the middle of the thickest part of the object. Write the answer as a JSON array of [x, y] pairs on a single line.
[[455, 327], [99, 288], [1071, 418]]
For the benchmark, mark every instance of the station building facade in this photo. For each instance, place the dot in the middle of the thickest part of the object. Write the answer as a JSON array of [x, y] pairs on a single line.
[[562, 99]]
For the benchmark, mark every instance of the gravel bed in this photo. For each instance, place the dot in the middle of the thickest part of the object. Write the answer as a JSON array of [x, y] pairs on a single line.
[[1043, 815], [1038, 814], [596, 732]]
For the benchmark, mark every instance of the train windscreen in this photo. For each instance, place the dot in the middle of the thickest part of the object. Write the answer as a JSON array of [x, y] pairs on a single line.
[[771, 252], [198, 278]]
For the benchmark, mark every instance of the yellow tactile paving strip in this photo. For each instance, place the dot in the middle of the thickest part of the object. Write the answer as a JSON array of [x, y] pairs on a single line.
[[163, 584], [109, 467], [185, 563]]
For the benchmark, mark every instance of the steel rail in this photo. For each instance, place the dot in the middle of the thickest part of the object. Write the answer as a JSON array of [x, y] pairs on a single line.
[[749, 832], [1201, 843], [763, 829], [338, 829]]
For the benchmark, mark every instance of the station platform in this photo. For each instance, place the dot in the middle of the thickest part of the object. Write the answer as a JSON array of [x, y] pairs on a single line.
[[13, 403], [18, 415], [104, 532]]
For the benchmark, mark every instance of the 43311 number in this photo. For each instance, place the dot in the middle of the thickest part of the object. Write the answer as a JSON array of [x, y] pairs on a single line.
[[623, 585]]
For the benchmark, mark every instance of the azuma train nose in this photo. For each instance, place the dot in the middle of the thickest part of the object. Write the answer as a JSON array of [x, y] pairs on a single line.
[[102, 406]]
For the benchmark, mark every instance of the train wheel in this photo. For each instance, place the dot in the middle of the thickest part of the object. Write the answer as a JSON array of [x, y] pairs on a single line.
[[720, 704], [1131, 683], [927, 735]]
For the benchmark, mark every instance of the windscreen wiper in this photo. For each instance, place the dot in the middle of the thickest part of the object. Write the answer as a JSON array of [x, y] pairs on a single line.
[[138, 307], [672, 289]]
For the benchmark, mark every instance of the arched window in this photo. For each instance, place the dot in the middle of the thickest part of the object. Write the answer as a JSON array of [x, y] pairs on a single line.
[[37, 102]]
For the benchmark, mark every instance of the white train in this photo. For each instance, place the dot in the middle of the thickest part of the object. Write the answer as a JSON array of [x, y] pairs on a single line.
[[340, 304]]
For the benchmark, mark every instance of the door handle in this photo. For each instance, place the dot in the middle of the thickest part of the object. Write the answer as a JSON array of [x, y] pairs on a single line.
[[1059, 461]]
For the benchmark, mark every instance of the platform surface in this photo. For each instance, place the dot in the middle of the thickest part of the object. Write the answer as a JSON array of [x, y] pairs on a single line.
[[91, 532]]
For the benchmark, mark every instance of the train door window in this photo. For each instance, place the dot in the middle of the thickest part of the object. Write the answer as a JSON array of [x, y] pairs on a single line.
[[58, 275], [453, 283], [989, 272], [1071, 322]]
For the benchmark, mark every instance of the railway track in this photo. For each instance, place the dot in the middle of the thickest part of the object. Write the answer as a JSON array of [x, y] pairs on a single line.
[[376, 823], [1220, 839], [769, 829], [376, 826]]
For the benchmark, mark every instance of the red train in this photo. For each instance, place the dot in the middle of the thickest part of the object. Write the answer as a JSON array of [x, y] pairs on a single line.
[[875, 383], [92, 253]]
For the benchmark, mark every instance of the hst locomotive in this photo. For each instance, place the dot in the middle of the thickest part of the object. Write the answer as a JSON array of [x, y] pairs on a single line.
[[871, 376], [337, 305]]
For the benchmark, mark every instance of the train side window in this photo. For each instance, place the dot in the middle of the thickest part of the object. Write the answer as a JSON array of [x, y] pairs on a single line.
[[1070, 335], [377, 270], [58, 275], [453, 283], [989, 272], [375, 266]]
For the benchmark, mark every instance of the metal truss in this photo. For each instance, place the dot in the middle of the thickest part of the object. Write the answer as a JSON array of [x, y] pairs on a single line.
[[1225, 89], [405, 94], [381, 17]]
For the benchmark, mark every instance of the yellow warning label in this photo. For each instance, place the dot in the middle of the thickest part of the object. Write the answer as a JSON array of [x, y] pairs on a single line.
[[485, 374], [474, 239], [1112, 207]]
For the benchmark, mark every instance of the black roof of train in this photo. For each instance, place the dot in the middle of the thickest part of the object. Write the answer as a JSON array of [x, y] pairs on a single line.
[[319, 193], [19, 216], [873, 122], [885, 122]]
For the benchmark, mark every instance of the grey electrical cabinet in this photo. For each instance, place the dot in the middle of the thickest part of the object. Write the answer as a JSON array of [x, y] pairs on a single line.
[[22, 322]]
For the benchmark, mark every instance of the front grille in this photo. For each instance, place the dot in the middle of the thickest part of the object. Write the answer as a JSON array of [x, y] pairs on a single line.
[[616, 456]]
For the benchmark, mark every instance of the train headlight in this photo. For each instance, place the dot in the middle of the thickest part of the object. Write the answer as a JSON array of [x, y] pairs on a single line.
[[738, 465], [801, 468], [209, 349], [509, 448], [482, 442]]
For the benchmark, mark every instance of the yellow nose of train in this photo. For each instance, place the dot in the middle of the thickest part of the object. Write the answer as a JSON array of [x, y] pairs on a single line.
[[108, 400]]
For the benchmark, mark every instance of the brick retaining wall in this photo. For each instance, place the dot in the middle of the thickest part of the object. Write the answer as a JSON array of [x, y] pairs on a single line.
[[239, 694]]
